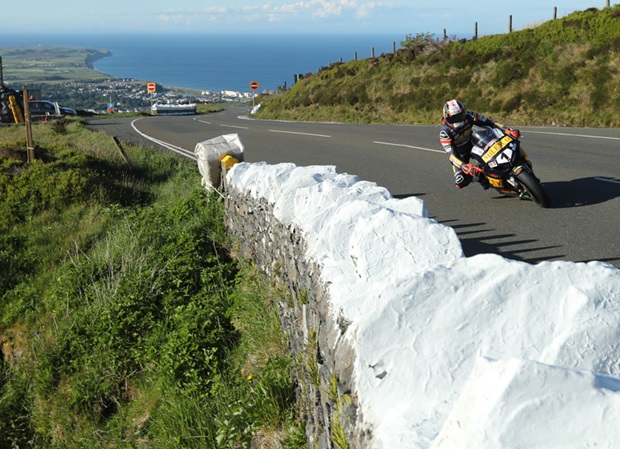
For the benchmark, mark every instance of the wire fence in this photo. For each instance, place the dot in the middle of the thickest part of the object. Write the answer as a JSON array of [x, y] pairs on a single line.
[[475, 36]]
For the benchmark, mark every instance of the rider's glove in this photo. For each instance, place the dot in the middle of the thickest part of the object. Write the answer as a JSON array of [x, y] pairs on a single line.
[[513, 132], [471, 170]]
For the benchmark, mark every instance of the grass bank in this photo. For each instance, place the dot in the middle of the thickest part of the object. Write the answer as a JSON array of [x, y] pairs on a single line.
[[124, 322], [565, 72]]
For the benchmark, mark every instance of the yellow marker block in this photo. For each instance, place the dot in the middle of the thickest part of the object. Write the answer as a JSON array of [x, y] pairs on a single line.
[[228, 161], [17, 112]]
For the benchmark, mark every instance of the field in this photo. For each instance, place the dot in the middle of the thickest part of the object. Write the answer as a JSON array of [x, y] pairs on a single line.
[[38, 64]]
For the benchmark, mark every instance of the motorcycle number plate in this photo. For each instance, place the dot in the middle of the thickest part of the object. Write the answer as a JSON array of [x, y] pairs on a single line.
[[496, 148]]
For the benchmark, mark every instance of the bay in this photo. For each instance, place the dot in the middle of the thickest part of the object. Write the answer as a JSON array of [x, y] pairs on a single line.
[[216, 62]]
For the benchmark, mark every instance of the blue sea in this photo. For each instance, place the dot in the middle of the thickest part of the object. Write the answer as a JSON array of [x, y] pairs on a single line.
[[216, 62]]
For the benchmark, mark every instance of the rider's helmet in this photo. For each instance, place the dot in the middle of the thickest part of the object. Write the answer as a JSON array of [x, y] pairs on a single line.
[[454, 112]]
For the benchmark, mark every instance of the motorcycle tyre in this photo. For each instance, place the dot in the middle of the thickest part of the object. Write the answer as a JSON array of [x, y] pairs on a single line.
[[531, 184]]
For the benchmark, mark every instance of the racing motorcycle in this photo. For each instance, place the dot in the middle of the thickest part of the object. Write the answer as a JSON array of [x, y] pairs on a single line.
[[497, 155]]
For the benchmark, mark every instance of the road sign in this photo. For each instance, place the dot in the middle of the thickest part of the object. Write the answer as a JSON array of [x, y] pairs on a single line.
[[254, 85], [151, 87]]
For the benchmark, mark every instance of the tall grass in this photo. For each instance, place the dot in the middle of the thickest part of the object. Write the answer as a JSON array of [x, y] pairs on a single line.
[[123, 320]]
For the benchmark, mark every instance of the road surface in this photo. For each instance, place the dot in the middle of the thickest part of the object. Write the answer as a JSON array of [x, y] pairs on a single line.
[[580, 169]]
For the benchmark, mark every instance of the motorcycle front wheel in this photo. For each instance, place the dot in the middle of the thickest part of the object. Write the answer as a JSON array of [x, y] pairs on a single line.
[[533, 187]]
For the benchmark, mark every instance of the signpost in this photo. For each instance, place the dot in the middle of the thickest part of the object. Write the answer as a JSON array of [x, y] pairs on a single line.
[[151, 88], [254, 87]]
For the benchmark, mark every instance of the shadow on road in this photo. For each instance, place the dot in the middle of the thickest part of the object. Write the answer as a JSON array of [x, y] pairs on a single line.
[[476, 238], [582, 192]]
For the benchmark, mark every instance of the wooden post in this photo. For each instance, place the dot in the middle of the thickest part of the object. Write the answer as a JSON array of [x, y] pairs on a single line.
[[608, 3], [510, 24], [445, 35], [372, 52], [356, 56], [476, 31], [394, 47], [29, 141], [555, 12], [119, 145]]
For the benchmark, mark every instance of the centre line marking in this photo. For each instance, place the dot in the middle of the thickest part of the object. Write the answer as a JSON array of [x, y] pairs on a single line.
[[409, 146], [572, 135], [232, 126], [299, 133]]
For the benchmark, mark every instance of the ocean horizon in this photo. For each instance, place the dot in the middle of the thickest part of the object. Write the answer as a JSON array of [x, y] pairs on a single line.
[[209, 62]]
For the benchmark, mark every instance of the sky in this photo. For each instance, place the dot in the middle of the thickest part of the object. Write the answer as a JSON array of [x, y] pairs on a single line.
[[284, 16], [450, 351]]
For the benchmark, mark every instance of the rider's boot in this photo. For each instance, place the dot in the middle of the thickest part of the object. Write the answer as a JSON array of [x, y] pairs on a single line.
[[484, 182]]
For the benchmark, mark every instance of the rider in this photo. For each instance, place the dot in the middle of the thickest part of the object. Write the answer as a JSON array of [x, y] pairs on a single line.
[[455, 137]]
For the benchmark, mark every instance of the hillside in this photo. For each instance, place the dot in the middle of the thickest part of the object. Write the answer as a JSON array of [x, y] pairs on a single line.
[[124, 322], [565, 72]]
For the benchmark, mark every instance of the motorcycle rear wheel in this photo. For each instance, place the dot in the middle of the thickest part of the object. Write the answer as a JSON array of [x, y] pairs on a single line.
[[534, 188]]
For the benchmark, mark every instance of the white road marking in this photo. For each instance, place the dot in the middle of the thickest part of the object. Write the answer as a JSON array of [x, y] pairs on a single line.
[[233, 126], [571, 135], [409, 146], [299, 133], [179, 150]]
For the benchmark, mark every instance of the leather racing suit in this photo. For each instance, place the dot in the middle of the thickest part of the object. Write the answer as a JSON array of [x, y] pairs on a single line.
[[457, 143]]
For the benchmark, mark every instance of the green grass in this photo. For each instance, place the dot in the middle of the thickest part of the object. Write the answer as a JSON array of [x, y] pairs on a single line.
[[124, 322], [563, 72], [37, 64]]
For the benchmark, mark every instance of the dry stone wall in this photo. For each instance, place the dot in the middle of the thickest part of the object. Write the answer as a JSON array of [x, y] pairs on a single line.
[[324, 360]]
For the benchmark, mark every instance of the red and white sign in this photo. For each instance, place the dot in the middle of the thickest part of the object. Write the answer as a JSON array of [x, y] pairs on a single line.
[[151, 87], [254, 85]]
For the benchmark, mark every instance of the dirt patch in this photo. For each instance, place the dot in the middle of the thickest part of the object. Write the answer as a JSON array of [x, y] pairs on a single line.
[[14, 153]]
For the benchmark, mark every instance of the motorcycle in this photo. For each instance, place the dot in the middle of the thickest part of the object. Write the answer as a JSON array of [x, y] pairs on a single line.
[[497, 155]]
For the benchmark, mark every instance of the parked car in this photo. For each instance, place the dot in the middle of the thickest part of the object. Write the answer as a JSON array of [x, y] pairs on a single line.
[[51, 108]]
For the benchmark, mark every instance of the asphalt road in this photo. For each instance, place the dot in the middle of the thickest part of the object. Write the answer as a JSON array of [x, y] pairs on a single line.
[[579, 167]]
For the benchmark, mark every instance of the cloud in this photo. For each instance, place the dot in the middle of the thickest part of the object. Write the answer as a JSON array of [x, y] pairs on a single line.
[[274, 11]]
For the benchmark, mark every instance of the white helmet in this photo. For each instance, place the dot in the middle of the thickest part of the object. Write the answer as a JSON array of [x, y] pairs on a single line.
[[454, 112]]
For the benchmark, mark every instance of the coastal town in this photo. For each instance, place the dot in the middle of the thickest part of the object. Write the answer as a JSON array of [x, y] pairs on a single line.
[[125, 95], [67, 76]]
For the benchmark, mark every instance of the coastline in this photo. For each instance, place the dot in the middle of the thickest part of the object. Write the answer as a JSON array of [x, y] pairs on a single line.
[[94, 56]]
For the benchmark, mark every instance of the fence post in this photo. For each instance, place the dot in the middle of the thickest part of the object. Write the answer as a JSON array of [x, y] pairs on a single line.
[[476, 31], [510, 24], [608, 3], [445, 35], [30, 154], [394, 47], [356, 56], [555, 12], [372, 52]]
